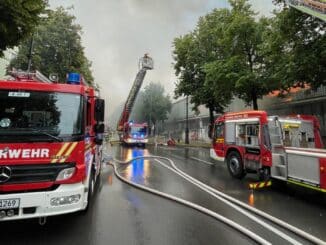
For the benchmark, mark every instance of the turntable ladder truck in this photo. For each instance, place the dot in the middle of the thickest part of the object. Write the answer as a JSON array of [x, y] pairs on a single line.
[[129, 132]]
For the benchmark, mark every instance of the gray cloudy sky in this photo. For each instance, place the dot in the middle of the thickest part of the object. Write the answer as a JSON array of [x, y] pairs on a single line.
[[116, 33]]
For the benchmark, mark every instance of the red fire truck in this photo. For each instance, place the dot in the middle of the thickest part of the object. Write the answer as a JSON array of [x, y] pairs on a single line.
[[50, 146], [135, 133], [283, 148], [131, 133]]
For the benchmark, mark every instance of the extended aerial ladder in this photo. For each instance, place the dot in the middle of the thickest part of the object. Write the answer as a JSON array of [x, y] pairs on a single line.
[[145, 63]]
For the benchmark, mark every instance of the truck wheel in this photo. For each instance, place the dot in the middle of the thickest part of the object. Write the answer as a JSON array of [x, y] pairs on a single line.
[[264, 174], [91, 187], [235, 165]]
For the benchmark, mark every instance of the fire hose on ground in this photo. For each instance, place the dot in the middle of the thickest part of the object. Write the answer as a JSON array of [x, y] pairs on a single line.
[[242, 207]]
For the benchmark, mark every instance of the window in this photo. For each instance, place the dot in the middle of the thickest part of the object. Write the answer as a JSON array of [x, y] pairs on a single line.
[[266, 138], [26, 113], [248, 134], [219, 130]]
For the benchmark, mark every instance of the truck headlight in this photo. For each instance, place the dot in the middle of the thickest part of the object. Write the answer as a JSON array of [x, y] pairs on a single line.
[[66, 173], [58, 201]]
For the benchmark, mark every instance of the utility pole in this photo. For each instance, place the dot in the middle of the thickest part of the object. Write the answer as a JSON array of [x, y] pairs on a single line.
[[150, 116], [187, 123]]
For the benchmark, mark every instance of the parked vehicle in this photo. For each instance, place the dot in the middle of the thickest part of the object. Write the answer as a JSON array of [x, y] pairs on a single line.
[[50, 145], [253, 142]]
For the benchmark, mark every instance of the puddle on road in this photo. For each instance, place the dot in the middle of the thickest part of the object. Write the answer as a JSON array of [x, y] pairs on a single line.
[[138, 170]]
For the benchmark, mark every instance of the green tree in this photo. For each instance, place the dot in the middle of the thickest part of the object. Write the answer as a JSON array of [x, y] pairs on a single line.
[[246, 62], [295, 49], [57, 47], [17, 20], [192, 53], [155, 106]]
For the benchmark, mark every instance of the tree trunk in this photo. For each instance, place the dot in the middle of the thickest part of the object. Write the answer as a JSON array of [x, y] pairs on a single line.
[[254, 102], [211, 121], [211, 115], [149, 128]]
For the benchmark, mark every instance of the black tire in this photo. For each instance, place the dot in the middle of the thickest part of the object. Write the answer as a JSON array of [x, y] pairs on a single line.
[[235, 165], [91, 188], [264, 174]]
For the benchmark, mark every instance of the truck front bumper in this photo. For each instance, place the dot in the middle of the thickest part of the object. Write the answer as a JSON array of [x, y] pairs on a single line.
[[67, 198], [136, 141]]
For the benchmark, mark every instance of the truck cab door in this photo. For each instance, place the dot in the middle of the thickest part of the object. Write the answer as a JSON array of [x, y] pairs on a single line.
[[218, 140]]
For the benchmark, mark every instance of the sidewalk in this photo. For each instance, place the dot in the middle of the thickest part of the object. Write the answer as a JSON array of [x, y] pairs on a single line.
[[163, 140]]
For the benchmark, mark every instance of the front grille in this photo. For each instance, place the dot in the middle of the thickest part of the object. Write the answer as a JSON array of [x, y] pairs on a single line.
[[51, 188], [35, 173]]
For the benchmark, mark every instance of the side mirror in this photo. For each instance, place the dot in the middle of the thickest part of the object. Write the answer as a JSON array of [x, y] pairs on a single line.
[[210, 131], [98, 140], [99, 128], [99, 110]]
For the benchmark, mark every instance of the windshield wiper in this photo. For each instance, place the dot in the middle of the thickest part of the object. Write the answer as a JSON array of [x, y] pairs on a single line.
[[47, 134]]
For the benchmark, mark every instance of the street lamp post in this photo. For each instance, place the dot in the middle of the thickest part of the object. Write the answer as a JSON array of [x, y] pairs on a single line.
[[187, 123]]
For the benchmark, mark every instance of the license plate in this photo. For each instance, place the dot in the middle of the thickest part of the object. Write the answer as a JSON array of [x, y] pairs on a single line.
[[9, 203]]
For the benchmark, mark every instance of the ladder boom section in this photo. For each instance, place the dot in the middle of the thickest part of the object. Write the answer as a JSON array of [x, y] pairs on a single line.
[[135, 89], [146, 63], [131, 98]]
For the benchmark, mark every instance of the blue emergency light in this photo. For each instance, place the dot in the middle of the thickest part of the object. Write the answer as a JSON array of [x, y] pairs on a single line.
[[73, 78]]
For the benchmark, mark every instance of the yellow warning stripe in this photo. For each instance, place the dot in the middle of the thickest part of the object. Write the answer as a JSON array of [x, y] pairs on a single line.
[[88, 147], [306, 185], [58, 155], [68, 152], [260, 185], [220, 140]]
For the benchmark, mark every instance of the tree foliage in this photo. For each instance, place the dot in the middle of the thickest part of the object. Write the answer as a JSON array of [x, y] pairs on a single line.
[[192, 52], [234, 53], [57, 47], [296, 49], [223, 58], [17, 20], [152, 105]]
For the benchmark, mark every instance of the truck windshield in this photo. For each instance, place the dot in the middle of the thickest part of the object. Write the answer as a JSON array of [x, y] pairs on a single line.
[[33, 113], [139, 131]]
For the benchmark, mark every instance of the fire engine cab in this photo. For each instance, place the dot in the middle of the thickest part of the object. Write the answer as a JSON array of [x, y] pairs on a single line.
[[284, 148], [135, 133], [50, 145]]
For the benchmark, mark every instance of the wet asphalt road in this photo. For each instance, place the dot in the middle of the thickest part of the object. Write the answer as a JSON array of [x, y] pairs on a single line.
[[302, 208], [121, 214]]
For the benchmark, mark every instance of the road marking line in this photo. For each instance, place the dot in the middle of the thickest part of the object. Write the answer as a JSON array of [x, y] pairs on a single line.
[[209, 163]]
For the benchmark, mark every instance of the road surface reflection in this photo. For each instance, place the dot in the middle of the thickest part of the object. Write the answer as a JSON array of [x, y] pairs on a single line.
[[137, 170]]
